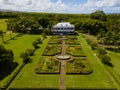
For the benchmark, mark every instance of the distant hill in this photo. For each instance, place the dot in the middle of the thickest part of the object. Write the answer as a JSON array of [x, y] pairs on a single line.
[[8, 10]]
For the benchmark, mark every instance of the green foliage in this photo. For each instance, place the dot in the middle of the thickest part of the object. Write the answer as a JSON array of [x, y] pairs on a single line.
[[91, 41], [72, 40], [30, 52], [51, 50], [47, 65], [99, 15], [8, 80], [43, 22], [93, 45], [79, 66], [3, 24], [102, 54], [44, 35], [105, 58], [6, 55], [75, 51], [101, 50], [2, 35], [25, 57], [55, 40], [35, 44], [39, 40]]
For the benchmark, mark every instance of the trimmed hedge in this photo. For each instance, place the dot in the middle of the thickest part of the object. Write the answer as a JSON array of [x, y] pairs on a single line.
[[11, 77]]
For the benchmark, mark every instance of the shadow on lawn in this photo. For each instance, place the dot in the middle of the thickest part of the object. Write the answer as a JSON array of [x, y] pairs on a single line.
[[6, 68]]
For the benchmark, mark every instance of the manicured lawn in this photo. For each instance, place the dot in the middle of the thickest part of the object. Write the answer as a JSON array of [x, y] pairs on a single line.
[[30, 79], [7, 37], [115, 60], [3, 24], [98, 79], [18, 45], [27, 78]]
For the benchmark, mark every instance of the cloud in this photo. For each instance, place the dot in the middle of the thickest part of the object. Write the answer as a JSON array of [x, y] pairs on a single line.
[[61, 7]]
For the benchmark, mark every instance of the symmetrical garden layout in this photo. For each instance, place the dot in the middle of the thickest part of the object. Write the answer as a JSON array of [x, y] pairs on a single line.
[[59, 57], [65, 62], [51, 64]]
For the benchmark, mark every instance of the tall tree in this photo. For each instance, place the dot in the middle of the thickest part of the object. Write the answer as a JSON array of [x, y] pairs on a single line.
[[6, 55], [2, 35], [99, 15]]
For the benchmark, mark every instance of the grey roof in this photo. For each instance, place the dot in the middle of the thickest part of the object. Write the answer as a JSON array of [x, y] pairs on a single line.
[[63, 24]]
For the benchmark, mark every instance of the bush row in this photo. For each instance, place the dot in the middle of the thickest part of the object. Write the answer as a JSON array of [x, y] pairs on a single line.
[[104, 57], [101, 52], [6, 83]]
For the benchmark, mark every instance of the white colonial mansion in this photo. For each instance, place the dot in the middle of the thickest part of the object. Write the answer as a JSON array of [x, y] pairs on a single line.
[[63, 28]]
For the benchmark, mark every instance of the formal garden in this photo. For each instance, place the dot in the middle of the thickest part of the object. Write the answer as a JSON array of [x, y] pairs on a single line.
[[33, 59], [43, 71], [78, 65]]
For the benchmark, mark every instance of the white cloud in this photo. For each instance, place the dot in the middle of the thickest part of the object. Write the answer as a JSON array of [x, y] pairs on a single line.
[[61, 7]]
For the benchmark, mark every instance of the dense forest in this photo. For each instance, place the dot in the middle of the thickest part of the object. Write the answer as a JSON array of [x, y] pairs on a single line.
[[106, 27]]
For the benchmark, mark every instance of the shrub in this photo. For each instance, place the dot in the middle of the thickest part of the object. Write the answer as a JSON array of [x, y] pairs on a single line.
[[25, 57], [101, 50], [105, 58], [38, 40], [30, 52], [44, 35], [35, 44], [88, 40], [102, 54], [93, 45]]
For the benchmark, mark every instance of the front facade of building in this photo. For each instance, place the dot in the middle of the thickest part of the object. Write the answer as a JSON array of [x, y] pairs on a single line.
[[63, 28]]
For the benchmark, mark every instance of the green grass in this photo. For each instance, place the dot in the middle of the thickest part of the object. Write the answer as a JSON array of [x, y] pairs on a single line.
[[98, 79], [3, 25], [7, 37], [115, 60], [18, 45], [27, 78], [30, 79]]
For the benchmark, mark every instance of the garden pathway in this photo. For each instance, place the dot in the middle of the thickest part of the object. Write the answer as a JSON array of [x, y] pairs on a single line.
[[62, 75], [63, 64]]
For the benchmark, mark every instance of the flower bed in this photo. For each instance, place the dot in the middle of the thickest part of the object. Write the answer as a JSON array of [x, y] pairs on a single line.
[[75, 51], [52, 50], [79, 66], [48, 65], [72, 40], [54, 40]]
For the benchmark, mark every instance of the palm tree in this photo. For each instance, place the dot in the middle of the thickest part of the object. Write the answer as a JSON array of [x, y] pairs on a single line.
[[2, 35]]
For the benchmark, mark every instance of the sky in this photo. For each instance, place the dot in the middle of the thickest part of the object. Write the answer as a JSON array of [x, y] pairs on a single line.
[[62, 6]]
